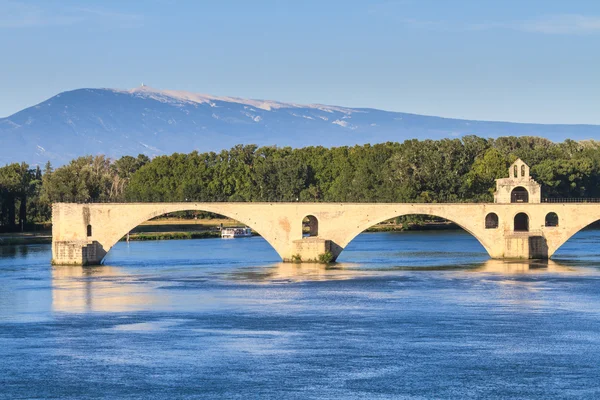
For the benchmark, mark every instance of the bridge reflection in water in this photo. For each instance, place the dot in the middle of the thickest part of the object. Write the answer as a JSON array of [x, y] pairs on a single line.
[[286, 272], [77, 289], [524, 267]]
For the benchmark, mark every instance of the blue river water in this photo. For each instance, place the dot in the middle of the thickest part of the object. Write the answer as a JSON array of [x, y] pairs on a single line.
[[401, 316]]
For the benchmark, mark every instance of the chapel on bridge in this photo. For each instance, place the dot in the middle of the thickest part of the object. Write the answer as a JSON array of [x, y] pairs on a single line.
[[519, 187]]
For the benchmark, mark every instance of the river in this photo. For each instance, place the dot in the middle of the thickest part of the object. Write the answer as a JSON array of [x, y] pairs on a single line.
[[402, 315]]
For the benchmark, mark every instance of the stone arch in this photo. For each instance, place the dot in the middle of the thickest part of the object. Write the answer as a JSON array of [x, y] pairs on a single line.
[[521, 222], [519, 195], [491, 221], [568, 229], [551, 220], [464, 226], [89, 230], [131, 220], [313, 225]]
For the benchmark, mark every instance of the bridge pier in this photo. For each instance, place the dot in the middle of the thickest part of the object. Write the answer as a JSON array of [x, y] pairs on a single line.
[[77, 252], [520, 246], [313, 249]]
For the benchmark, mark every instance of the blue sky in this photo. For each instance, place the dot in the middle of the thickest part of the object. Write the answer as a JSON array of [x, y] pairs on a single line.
[[525, 61]]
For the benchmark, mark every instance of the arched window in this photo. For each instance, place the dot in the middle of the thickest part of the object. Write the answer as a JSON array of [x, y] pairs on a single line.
[[519, 195], [310, 225], [89, 230], [552, 219], [521, 222], [522, 170], [491, 221], [515, 170]]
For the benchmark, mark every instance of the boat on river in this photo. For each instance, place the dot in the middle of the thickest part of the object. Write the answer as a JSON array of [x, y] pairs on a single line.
[[235, 232]]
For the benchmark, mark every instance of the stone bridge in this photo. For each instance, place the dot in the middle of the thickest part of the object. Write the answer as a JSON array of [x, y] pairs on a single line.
[[516, 225], [84, 233]]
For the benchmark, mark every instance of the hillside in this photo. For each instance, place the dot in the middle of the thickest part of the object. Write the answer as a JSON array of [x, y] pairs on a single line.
[[146, 120]]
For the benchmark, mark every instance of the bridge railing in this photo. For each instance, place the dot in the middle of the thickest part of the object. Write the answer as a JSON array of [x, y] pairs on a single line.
[[571, 200]]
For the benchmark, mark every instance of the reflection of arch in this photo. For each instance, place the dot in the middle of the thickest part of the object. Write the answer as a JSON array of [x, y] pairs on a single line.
[[363, 227], [519, 195], [551, 220], [491, 221], [313, 225], [521, 223]]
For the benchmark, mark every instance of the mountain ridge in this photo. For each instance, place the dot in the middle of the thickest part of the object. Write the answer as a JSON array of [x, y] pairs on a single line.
[[118, 122]]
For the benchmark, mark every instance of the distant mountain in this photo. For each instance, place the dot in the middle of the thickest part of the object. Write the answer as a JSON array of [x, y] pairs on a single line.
[[154, 122]]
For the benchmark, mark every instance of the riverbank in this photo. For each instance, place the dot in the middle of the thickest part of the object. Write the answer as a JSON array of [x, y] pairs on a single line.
[[11, 239]]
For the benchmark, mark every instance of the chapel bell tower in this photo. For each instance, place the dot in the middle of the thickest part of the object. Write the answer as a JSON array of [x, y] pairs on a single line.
[[519, 187]]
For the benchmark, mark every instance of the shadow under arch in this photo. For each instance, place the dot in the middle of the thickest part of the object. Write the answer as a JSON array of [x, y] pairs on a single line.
[[130, 223], [363, 228]]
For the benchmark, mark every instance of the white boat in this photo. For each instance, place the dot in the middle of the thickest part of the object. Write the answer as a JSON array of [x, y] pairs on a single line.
[[235, 232]]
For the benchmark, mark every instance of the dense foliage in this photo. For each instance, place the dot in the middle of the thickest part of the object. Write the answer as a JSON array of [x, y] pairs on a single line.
[[459, 170], [447, 170]]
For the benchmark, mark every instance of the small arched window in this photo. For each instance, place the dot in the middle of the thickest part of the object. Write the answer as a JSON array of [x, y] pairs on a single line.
[[491, 221], [521, 222], [516, 171], [522, 170], [551, 220], [89, 230], [310, 223]]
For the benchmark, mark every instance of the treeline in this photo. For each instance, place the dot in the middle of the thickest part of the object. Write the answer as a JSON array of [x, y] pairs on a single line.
[[447, 170], [27, 194]]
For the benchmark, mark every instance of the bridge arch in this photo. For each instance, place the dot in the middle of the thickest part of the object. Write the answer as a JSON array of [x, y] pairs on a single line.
[[567, 229], [107, 238], [469, 227]]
